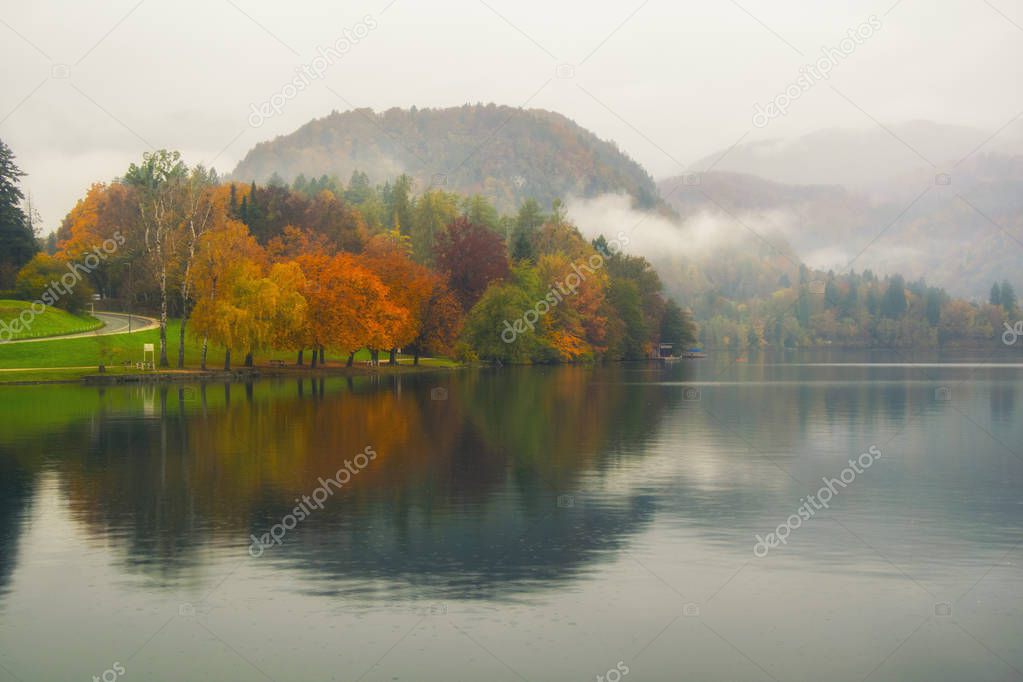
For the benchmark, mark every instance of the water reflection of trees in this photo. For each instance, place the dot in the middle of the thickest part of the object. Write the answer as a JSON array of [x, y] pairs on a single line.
[[15, 498], [465, 486], [462, 497]]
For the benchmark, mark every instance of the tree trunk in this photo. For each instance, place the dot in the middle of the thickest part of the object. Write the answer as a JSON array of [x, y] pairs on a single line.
[[351, 359], [415, 357], [322, 360], [300, 361], [227, 360], [205, 347], [393, 359], [181, 338], [163, 317], [248, 359], [374, 357], [312, 363], [186, 280]]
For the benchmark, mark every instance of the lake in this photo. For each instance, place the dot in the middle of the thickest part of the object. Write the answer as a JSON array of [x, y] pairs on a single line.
[[700, 520]]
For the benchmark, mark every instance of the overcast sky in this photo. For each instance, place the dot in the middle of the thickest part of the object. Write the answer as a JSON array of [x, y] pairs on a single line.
[[88, 87]]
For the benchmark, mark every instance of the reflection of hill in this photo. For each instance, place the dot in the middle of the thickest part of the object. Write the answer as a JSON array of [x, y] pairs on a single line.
[[495, 526], [764, 435], [502, 547], [463, 489], [462, 499]]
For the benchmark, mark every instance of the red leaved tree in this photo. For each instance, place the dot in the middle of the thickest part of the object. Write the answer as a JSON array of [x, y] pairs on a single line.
[[471, 256]]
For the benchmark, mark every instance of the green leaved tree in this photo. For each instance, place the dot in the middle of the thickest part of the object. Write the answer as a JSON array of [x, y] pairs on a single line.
[[17, 238]]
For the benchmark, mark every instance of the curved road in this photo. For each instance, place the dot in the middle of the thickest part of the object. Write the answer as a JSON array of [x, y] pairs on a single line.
[[113, 323]]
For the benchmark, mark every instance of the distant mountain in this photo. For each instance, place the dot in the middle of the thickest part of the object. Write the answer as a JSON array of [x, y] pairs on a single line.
[[505, 153], [869, 197], [866, 158], [963, 235]]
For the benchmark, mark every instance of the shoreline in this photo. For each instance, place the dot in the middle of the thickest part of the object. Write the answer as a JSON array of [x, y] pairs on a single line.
[[92, 377], [116, 374]]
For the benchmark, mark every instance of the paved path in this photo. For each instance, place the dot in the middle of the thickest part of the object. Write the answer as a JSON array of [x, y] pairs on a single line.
[[113, 323]]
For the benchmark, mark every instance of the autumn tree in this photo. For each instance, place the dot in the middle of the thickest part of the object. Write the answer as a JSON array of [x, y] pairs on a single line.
[[45, 274], [409, 285], [576, 327], [273, 309], [441, 322], [471, 256], [336, 220], [105, 216], [348, 307], [290, 311], [294, 242], [225, 258]]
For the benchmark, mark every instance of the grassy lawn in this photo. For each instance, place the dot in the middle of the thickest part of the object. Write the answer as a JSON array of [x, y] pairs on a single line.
[[86, 351], [51, 322]]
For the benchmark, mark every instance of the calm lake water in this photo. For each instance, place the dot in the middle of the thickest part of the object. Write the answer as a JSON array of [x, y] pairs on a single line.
[[522, 524]]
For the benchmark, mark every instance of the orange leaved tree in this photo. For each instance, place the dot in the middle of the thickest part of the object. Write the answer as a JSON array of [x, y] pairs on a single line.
[[348, 307], [226, 258], [409, 285]]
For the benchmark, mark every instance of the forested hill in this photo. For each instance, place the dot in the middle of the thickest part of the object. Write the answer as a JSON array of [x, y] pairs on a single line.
[[505, 153], [961, 235]]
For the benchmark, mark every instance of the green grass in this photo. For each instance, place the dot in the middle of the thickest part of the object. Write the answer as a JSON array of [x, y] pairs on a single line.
[[51, 322], [35, 376], [86, 351], [116, 349]]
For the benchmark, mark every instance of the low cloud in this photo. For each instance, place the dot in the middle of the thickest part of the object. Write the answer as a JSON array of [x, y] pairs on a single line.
[[658, 237]]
